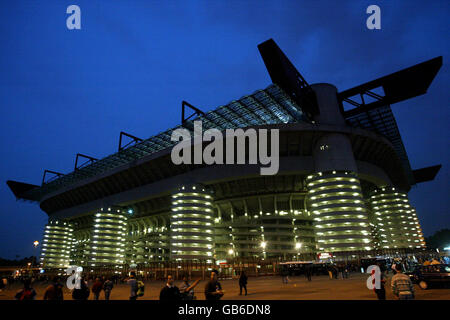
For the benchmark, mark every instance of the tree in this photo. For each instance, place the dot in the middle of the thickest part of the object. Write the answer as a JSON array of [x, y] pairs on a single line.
[[439, 240]]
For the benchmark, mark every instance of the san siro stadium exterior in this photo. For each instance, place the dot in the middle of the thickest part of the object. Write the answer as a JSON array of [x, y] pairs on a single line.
[[342, 185]]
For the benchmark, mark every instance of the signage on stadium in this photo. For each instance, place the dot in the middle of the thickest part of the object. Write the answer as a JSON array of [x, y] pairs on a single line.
[[324, 255], [235, 139]]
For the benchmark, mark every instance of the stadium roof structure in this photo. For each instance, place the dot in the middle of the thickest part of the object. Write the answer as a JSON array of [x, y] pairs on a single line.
[[373, 111], [269, 106]]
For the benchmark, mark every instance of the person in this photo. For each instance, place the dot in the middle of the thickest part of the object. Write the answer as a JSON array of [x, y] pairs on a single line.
[[341, 270], [394, 267], [187, 290], [335, 271], [140, 289], [401, 284], [132, 282], [309, 271], [346, 270], [243, 283], [54, 291], [97, 288], [27, 293], [435, 261], [213, 289], [285, 275], [5, 283], [381, 293], [169, 291], [330, 271], [107, 287], [81, 293]]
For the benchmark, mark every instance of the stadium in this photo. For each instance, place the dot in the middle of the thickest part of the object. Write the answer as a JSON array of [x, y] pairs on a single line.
[[341, 189]]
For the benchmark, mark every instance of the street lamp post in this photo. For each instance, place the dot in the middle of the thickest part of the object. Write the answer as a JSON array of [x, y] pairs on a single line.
[[298, 246], [263, 246], [36, 244]]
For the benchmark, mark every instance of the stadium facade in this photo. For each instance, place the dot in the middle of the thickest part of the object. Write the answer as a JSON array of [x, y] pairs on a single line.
[[342, 185]]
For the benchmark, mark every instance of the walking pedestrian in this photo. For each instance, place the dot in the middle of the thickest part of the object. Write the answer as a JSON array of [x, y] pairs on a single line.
[[381, 293], [346, 270], [243, 283], [5, 283], [309, 271], [97, 288], [107, 287], [27, 292], [330, 271], [54, 291], [284, 275], [81, 293], [401, 284], [132, 282]]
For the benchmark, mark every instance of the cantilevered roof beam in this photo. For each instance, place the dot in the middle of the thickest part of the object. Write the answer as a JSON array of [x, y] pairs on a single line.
[[401, 85], [426, 174]]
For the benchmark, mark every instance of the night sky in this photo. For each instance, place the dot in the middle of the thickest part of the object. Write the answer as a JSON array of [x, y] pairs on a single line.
[[133, 62]]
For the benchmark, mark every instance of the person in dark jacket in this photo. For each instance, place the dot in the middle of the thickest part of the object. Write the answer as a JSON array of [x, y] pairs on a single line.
[[170, 291], [243, 283], [83, 292], [27, 293], [97, 288], [284, 275], [108, 285], [54, 291], [132, 282], [213, 289], [309, 271], [381, 293]]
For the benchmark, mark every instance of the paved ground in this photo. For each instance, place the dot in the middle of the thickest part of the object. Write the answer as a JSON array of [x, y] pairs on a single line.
[[268, 288]]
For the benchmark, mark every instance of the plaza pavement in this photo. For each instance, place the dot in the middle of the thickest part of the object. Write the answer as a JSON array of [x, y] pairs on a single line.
[[267, 288]]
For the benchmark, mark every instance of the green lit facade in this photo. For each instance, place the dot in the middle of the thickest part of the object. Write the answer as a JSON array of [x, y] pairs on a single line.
[[395, 220], [340, 214], [57, 245]]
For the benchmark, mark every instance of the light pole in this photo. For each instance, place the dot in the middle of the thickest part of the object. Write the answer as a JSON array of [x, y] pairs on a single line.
[[36, 244], [263, 246], [298, 246], [231, 253]]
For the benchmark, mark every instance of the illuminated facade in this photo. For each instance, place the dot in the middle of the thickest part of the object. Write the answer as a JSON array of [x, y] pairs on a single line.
[[395, 220], [108, 238], [57, 245], [191, 222], [340, 215]]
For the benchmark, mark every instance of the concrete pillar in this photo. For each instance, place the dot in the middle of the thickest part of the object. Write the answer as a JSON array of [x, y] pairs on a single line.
[[334, 191]]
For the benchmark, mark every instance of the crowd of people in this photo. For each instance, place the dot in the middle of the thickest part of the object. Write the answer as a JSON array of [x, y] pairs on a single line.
[[400, 283], [54, 290]]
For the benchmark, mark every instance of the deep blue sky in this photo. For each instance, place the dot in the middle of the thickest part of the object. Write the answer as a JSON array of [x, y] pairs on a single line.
[[131, 64]]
